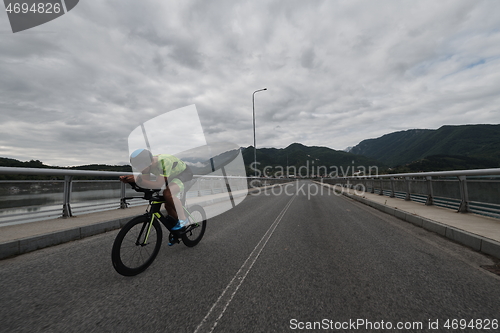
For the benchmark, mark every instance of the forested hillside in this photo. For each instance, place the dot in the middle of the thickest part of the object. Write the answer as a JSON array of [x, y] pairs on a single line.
[[479, 143]]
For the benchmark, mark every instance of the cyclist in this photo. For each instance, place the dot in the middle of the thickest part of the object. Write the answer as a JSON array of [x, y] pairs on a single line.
[[171, 174]]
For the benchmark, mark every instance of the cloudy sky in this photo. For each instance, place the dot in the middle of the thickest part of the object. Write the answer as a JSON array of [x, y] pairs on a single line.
[[337, 72]]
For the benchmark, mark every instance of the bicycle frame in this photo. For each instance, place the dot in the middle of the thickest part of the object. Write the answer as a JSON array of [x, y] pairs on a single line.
[[155, 213]]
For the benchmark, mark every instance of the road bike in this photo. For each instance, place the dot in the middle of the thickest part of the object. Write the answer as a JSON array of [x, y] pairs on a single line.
[[139, 241]]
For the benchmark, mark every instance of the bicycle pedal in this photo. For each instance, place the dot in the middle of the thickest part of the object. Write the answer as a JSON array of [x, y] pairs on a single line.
[[172, 240]]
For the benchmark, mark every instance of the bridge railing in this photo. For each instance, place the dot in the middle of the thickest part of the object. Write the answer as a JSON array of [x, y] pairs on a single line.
[[476, 191], [83, 196]]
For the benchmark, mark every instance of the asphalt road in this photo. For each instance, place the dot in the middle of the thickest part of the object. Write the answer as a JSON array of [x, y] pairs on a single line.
[[278, 262]]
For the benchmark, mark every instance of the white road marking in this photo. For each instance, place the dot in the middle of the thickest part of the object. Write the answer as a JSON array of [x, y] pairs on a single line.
[[217, 310]]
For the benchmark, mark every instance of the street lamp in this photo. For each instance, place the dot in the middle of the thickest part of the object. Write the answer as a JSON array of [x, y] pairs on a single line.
[[254, 144]]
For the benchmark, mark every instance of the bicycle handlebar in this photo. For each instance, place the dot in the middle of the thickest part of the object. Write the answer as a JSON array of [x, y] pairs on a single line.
[[148, 193], [137, 188]]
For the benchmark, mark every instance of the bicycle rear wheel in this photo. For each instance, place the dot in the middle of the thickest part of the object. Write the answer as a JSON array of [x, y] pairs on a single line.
[[196, 227], [131, 254]]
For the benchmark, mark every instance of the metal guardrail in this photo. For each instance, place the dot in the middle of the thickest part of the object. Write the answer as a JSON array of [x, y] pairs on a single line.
[[68, 180], [208, 185], [476, 191]]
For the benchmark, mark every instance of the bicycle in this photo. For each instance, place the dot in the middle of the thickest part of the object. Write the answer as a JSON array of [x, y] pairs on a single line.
[[139, 241]]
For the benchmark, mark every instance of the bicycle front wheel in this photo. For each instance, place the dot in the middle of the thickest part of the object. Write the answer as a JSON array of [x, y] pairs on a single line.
[[136, 246], [196, 226]]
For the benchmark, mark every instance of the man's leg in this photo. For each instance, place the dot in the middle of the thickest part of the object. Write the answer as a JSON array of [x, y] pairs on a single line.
[[173, 204]]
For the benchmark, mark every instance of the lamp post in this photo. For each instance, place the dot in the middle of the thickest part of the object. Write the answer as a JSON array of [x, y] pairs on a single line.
[[254, 144]]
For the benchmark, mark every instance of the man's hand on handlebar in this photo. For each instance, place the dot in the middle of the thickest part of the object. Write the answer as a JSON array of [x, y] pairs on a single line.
[[131, 181], [127, 179]]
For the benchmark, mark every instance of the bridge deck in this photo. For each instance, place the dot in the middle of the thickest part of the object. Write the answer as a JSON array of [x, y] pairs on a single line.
[[481, 233]]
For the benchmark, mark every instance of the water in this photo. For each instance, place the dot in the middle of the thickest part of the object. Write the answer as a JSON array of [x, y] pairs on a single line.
[[34, 201]]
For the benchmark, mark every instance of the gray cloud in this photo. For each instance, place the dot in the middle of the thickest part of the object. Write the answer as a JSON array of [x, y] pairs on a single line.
[[337, 73]]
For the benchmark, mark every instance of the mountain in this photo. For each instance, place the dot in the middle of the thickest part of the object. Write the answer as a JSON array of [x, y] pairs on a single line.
[[446, 163], [306, 161], [480, 142], [301, 161], [13, 163], [447, 148]]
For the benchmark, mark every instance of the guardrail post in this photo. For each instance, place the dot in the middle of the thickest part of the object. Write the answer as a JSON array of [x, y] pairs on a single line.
[[430, 193], [407, 182], [228, 187], [123, 203], [381, 187], [373, 186], [68, 186], [464, 195], [392, 188]]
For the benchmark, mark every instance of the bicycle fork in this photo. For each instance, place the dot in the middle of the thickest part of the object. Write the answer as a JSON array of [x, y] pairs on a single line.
[[149, 225]]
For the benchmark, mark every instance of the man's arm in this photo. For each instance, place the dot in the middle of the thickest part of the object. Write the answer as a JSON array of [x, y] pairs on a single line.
[[145, 181]]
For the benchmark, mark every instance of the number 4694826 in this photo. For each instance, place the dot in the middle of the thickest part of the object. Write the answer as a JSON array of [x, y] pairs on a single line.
[[36, 8]]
